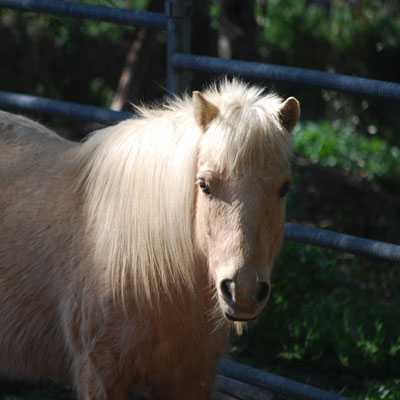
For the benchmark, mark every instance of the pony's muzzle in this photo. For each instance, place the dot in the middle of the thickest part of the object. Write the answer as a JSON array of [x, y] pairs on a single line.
[[243, 302]]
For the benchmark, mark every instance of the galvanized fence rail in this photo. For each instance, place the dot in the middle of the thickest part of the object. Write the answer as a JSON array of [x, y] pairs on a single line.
[[176, 21], [89, 11], [278, 73], [59, 108], [274, 383]]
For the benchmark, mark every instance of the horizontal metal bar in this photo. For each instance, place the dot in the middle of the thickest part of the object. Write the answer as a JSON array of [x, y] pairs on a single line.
[[89, 11], [275, 383], [60, 108], [341, 242], [298, 76]]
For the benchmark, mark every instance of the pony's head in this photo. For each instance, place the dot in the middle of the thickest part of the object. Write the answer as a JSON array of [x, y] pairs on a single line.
[[243, 174]]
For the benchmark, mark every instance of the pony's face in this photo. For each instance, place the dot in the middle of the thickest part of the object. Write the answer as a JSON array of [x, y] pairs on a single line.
[[240, 220], [239, 223]]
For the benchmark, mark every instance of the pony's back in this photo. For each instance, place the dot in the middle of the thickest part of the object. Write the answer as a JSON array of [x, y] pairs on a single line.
[[26, 145]]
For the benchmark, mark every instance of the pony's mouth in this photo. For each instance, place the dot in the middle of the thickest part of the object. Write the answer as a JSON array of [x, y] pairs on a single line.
[[236, 319]]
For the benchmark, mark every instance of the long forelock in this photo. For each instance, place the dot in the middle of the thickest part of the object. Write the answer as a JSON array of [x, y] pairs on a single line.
[[247, 135]]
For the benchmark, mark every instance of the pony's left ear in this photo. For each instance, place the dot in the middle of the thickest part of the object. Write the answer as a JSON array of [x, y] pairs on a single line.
[[289, 113], [204, 111]]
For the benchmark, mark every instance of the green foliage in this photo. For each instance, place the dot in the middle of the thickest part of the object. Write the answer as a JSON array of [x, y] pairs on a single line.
[[214, 15], [274, 21], [320, 318], [387, 390], [350, 31], [335, 144]]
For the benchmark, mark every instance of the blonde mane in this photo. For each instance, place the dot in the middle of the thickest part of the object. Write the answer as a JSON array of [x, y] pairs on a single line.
[[139, 181]]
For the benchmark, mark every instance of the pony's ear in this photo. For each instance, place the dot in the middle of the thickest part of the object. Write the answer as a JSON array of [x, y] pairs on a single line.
[[204, 111], [289, 113]]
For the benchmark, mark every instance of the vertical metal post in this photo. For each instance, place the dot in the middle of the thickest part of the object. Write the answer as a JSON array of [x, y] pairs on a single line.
[[178, 13]]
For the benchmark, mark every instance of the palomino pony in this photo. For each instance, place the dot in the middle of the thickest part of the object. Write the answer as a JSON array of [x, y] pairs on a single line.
[[123, 259]]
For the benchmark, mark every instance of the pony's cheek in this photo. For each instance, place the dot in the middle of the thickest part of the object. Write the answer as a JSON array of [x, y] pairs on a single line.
[[205, 216], [204, 227]]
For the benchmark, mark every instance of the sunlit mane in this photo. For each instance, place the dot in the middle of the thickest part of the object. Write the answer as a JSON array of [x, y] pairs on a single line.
[[141, 215], [139, 180]]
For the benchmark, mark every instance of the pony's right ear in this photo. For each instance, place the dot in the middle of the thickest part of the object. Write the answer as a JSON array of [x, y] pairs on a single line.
[[204, 111], [289, 113]]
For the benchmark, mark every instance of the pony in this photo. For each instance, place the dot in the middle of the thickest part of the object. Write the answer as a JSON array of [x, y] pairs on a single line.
[[125, 258]]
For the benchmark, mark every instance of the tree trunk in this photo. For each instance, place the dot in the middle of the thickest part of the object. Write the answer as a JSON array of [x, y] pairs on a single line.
[[137, 64], [238, 29]]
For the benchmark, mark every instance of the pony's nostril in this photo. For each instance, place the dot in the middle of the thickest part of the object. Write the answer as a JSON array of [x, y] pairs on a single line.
[[263, 292], [227, 287]]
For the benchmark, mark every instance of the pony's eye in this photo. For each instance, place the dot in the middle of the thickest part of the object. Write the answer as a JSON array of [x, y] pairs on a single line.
[[204, 187], [284, 189]]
